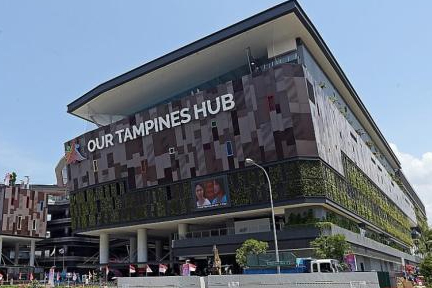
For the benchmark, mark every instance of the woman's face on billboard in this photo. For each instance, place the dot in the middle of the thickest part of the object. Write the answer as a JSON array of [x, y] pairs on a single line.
[[199, 191]]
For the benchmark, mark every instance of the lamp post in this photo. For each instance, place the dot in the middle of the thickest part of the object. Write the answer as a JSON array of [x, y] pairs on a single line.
[[252, 162]]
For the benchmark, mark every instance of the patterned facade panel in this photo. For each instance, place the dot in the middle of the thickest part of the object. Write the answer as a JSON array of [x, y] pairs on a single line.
[[270, 121], [335, 136], [24, 212]]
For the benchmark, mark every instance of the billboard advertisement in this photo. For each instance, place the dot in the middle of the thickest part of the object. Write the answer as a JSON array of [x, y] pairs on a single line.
[[210, 193]]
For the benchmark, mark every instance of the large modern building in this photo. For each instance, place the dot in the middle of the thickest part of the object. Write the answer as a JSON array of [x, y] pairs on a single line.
[[166, 168]]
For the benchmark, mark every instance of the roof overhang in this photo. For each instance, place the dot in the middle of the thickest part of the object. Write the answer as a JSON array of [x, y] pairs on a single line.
[[211, 56]]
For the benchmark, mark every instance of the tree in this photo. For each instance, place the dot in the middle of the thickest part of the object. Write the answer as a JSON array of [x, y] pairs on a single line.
[[424, 243], [333, 247], [12, 179], [426, 268], [250, 246]]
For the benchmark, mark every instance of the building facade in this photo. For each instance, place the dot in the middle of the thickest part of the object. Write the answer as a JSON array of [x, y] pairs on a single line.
[[23, 224], [166, 168], [62, 248]]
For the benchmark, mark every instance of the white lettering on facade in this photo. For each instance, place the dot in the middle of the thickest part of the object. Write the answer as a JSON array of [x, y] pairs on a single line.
[[176, 118], [119, 132], [138, 131], [227, 102], [128, 135], [202, 110], [184, 114], [109, 140], [91, 145]]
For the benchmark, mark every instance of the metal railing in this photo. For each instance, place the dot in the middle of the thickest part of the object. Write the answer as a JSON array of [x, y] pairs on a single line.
[[217, 232], [55, 199]]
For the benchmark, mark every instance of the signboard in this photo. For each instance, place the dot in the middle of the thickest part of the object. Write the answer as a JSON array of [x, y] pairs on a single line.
[[280, 263], [170, 120], [268, 260]]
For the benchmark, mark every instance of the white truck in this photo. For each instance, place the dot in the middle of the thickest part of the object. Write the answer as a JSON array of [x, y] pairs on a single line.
[[322, 266]]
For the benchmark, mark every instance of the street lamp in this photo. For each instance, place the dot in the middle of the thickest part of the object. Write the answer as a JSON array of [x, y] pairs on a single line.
[[252, 162]]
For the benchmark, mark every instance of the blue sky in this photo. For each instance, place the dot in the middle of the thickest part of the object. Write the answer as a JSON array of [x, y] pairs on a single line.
[[52, 52]]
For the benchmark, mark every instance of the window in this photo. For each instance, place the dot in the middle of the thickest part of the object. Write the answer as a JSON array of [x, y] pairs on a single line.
[[34, 224], [314, 267], [171, 150], [41, 205], [229, 148], [48, 217], [19, 222], [213, 123], [311, 92], [271, 102], [325, 268], [95, 166]]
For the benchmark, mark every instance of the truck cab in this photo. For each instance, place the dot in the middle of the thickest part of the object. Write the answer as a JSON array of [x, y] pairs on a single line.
[[324, 266]]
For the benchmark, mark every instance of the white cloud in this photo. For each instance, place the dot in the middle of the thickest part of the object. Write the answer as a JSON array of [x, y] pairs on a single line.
[[419, 174]]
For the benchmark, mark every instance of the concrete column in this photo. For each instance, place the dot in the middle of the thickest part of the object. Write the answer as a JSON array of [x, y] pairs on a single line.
[[103, 248], [132, 249], [158, 252], [171, 256], [32, 252], [182, 230], [16, 253], [1, 250], [142, 245]]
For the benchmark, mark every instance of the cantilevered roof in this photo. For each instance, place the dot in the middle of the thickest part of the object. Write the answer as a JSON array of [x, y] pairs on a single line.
[[214, 55]]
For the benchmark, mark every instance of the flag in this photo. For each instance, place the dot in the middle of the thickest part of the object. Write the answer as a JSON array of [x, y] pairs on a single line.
[[58, 276], [7, 179], [185, 270], [162, 268], [192, 267], [31, 277], [53, 252], [19, 276], [131, 269], [148, 269]]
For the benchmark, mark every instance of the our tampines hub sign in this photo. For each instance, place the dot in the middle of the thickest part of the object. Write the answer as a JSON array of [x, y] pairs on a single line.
[[170, 120]]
